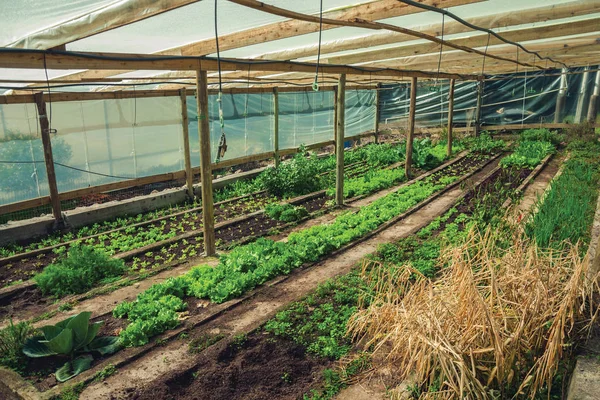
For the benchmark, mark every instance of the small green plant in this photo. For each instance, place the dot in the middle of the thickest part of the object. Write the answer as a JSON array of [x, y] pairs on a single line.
[[83, 267], [285, 212], [12, 339], [203, 342], [70, 338], [107, 371]]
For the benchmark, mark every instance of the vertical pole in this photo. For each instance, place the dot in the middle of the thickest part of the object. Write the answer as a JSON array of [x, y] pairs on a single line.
[[411, 126], [478, 108], [582, 95], [561, 98], [205, 163], [276, 126], [450, 117], [339, 140], [189, 177], [45, 128], [593, 107], [377, 112], [111, 167]]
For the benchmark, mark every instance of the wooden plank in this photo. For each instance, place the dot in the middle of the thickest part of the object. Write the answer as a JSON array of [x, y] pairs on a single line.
[[49, 160], [189, 176], [360, 23], [24, 205], [276, 126], [208, 218], [243, 160], [495, 20], [340, 125], [478, 108], [450, 117], [30, 59], [411, 127]]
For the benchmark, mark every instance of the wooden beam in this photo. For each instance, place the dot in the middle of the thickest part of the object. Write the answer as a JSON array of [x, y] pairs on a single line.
[[450, 118], [359, 23], [478, 108], [30, 59], [593, 106], [208, 217], [276, 126], [48, 158], [561, 98], [411, 128], [340, 125], [478, 40], [114, 15], [495, 20], [377, 112], [285, 29], [189, 176]]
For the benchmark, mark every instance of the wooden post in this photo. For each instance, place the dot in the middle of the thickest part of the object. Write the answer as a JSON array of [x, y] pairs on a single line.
[[205, 164], [450, 117], [478, 108], [411, 127], [593, 107], [189, 176], [276, 126], [377, 112], [46, 142], [339, 140], [561, 98]]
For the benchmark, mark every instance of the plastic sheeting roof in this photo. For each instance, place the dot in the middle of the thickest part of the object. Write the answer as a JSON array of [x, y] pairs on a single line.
[[195, 22]]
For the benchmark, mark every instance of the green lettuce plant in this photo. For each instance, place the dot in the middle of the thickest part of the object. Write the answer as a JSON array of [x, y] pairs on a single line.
[[71, 338]]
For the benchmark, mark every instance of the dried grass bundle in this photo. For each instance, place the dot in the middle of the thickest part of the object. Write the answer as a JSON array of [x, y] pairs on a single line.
[[495, 323]]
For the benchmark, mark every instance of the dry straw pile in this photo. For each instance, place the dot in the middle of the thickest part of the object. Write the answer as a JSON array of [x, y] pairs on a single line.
[[495, 324]]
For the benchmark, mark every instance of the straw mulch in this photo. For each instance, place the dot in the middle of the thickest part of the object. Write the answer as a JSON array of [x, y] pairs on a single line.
[[494, 324]]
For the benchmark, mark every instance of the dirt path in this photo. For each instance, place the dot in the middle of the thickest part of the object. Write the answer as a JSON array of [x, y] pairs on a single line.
[[250, 314]]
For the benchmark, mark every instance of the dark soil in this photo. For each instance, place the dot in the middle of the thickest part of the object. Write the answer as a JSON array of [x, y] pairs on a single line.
[[264, 367]]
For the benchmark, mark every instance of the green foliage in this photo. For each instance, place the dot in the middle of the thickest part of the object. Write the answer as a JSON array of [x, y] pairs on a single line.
[[372, 181], [83, 268], [334, 380], [484, 144], [107, 371], [74, 335], [12, 339], [203, 342], [542, 135], [528, 154], [248, 266], [285, 212], [300, 175], [567, 211]]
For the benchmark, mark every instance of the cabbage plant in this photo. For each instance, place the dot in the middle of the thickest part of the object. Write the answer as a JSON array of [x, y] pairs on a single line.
[[71, 338]]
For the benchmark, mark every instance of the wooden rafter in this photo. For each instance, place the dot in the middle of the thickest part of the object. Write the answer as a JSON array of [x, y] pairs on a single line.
[[360, 23]]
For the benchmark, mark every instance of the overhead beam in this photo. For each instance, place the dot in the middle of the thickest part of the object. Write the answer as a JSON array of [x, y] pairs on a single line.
[[285, 29], [360, 23], [479, 40], [33, 59], [103, 19], [496, 20]]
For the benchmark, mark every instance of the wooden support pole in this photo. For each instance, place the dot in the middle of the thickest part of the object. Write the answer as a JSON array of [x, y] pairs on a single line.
[[478, 108], [377, 112], [411, 127], [46, 142], [339, 140], [276, 126], [450, 117], [593, 107], [189, 176], [561, 98], [208, 218]]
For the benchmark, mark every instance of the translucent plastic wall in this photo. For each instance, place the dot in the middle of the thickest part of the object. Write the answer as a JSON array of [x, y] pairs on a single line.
[[361, 112], [513, 99]]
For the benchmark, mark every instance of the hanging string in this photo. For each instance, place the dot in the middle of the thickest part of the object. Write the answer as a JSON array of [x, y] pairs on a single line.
[[315, 85], [50, 130], [223, 140], [440, 57], [485, 54]]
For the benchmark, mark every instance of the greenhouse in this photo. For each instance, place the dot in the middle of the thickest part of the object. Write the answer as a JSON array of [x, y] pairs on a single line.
[[325, 199]]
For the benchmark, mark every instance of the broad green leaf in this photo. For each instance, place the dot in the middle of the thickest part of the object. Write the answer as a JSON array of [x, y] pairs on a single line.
[[105, 344], [34, 348], [62, 343], [79, 325], [92, 332], [50, 331], [71, 369], [63, 324]]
